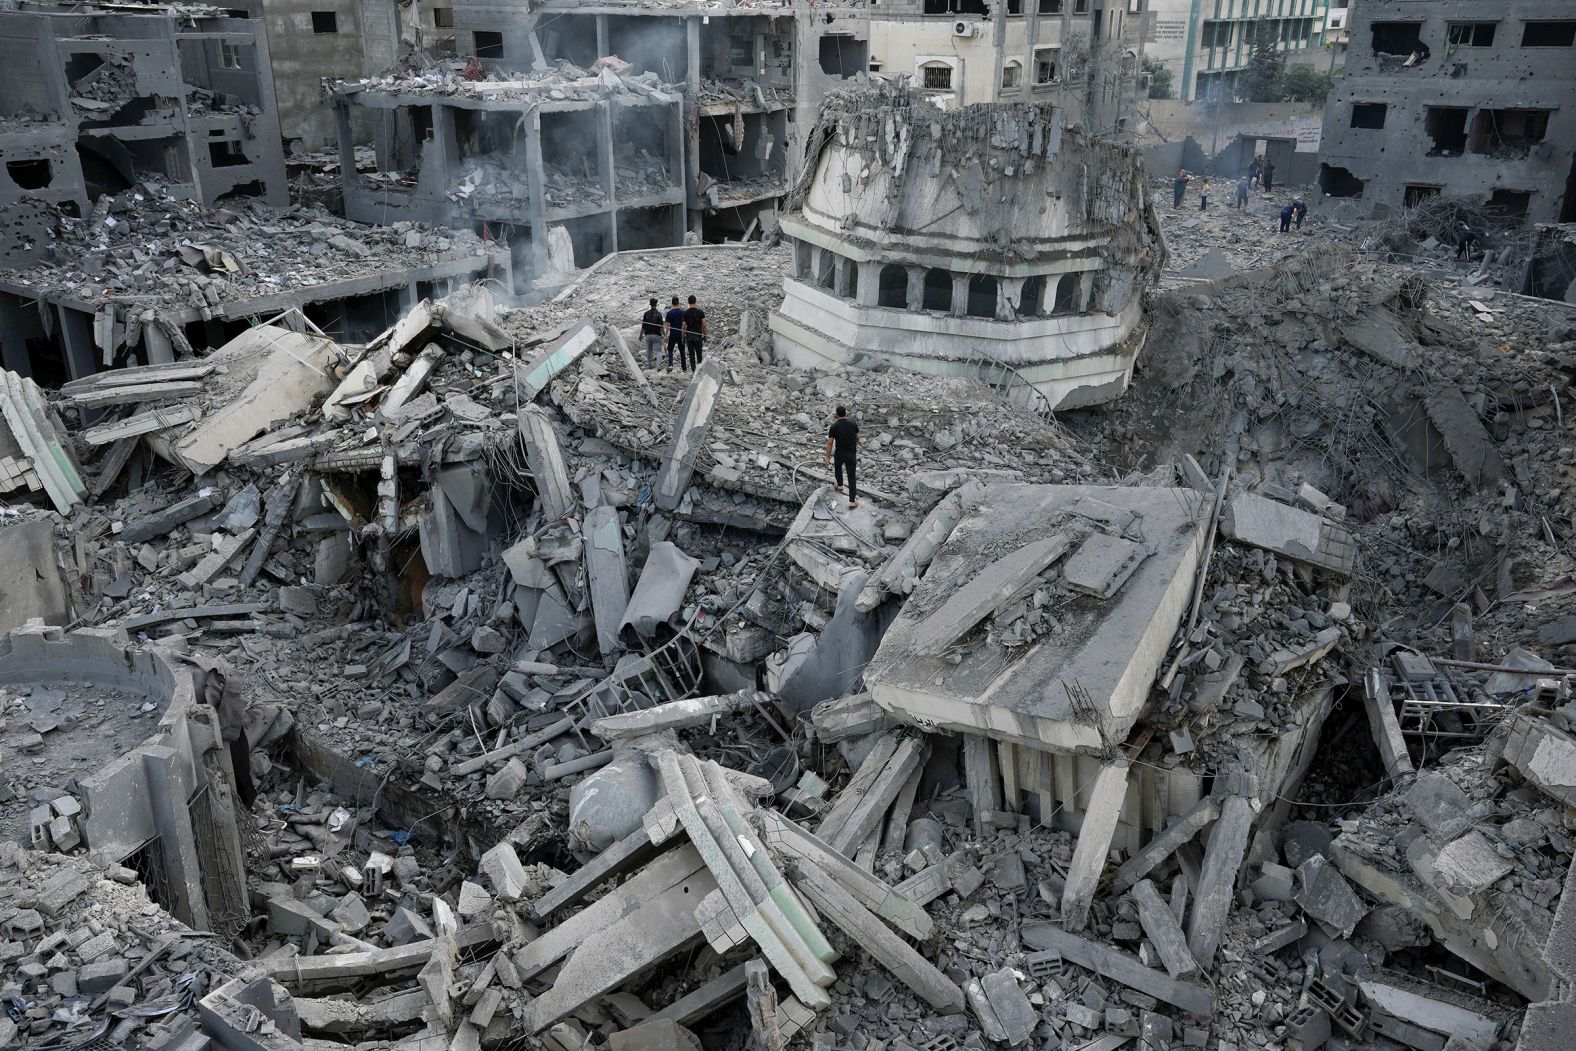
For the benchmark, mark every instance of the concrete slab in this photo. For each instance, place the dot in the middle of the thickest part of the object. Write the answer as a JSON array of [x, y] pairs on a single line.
[[273, 373], [1299, 535], [607, 574], [1071, 691], [689, 434]]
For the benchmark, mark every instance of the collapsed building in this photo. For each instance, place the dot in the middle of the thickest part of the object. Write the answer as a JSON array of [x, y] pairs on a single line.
[[991, 241], [530, 158], [1442, 99], [103, 98], [469, 682], [143, 278]]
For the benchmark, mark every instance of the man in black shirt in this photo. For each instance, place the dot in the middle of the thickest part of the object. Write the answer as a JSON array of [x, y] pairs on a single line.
[[694, 333], [842, 440], [675, 327], [651, 334]]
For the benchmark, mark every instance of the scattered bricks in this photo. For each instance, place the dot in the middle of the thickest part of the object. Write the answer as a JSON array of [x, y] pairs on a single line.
[[25, 924], [378, 867], [1307, 1028], [40, 820], [101, 975], [121, 996], [65, 806], [64, 983], [65, 835], [1043, 966]]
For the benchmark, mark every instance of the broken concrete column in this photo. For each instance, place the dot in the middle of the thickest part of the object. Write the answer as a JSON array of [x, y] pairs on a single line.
[[1228, 840], [689, 434], [546, 461], [1094, 841], [607, 574], [1384, 725], [1163, 931]]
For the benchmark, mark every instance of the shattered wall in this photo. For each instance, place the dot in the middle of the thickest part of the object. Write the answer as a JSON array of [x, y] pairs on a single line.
[[1426, 106], [993, 241]]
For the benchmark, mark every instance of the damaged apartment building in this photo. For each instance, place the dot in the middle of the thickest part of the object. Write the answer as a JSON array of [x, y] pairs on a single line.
[[98, 100], [993, 242], [574, 131], [1456, 99], [141, 213]]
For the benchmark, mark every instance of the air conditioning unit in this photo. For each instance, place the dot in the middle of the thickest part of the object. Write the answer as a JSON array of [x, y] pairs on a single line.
[[965, 28]]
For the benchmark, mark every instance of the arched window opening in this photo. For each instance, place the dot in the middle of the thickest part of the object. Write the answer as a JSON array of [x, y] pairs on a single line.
[[938, 290]]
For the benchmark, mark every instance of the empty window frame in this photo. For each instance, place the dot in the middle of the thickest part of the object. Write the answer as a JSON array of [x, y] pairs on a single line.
[[1498, 129], [1369, 115], [1447, 127], [1397, 38], [1050, 7], [1046, 61], [443, 18], [488, 45], [1548, 34], [938, 290], [1012, 75], [892, 286], [325, 22], [229, 55]]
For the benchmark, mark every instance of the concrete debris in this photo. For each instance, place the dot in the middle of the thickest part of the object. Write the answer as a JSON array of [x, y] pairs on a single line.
[[455, 675]]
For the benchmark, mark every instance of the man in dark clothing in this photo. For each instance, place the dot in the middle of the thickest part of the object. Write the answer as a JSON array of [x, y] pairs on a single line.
[[675, 329], [1466, 242], [1298, 212], [1268, 176], [1253, 172], [1286, 213], [694, 333], [1178, 188], [842, 441], [651, 334]]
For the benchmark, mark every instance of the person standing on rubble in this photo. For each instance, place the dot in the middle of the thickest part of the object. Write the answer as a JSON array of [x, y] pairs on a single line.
[[651, 325], [1203, 196], [1242, 193], [1286, 214], [1267, 177], [1253, 171], [842, 444], [1179, 187], [694, 333], [675, 330]]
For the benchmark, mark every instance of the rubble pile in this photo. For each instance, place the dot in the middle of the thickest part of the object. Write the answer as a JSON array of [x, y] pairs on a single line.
[[161, 249], [1432, 419], [564, 81], [523, 692], [89, 957]]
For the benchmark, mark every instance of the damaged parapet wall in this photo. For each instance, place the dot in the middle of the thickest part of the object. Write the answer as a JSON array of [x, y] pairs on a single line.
[[1438, 98], [99, 100], [165, 807], [990, 242]]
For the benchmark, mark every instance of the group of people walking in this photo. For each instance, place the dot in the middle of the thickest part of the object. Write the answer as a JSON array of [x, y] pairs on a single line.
[[1260, 176], [681, 328]]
